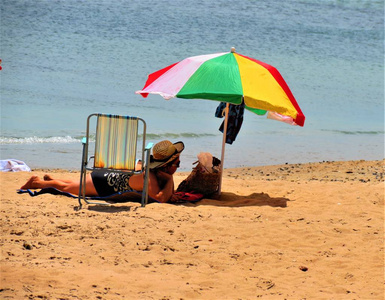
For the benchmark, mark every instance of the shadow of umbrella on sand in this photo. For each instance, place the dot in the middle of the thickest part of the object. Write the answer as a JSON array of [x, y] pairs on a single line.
[[228, 77], [234, 200]]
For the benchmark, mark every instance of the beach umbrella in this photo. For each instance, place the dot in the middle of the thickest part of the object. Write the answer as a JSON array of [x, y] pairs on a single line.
[[228, 77]]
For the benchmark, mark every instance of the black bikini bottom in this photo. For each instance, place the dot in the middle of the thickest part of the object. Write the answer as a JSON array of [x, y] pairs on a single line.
[[107, 183]]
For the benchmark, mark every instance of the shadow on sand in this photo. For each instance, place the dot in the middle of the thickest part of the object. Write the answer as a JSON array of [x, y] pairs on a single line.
[[254, 199], [225, 200]]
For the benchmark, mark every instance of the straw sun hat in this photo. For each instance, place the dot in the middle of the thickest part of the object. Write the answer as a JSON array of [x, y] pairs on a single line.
[[165, 152]]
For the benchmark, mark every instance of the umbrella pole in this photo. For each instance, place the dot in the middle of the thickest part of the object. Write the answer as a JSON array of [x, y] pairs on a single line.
[[223, 147]]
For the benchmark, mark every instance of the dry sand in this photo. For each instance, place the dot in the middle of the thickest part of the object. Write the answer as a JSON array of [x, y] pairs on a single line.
[[304, 231]]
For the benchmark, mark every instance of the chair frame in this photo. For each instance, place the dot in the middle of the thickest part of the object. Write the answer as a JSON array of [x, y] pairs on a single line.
[[145, 158]]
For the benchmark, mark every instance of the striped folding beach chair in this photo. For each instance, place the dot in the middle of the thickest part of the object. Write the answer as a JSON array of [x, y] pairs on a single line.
[[117, 147]]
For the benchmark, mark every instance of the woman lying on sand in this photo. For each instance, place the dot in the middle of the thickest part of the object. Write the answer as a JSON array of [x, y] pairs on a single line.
[[163, 164]]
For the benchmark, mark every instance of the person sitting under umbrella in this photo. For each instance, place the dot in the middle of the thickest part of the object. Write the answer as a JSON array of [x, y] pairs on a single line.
[[163, 164]]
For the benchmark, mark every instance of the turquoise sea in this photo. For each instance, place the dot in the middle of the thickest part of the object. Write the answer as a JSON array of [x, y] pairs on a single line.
[[63, 60]]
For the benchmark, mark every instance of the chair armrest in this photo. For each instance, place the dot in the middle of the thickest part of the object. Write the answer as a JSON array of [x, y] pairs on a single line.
[[147, 156], [85, 162]]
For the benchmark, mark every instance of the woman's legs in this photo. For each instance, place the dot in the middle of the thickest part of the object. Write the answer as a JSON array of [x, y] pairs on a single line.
[[67, 186], [48, 177]]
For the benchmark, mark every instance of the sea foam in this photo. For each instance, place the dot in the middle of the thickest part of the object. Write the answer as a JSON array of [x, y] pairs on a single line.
[[38, 140]]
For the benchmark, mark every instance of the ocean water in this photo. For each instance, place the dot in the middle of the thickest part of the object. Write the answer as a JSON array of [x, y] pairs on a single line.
[[63, 60]]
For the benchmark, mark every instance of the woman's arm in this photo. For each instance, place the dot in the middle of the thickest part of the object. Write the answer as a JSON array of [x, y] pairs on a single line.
[[164, 193], [160, 185]]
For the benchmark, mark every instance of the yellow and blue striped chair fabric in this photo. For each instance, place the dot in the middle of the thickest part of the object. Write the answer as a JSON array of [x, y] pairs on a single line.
[[116, 142]]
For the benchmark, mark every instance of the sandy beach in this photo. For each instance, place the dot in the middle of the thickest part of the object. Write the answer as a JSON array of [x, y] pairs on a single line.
[[303, 231]]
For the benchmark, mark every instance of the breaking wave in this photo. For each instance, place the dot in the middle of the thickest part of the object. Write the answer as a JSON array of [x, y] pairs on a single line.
[[349, 132], [69, 139], [39, 140]]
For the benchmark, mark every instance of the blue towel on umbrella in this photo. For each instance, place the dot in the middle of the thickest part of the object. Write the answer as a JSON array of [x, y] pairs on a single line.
[[235, 120]]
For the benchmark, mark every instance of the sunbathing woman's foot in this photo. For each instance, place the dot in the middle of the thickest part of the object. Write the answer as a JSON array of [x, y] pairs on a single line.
[[30, 183], [47, 177]]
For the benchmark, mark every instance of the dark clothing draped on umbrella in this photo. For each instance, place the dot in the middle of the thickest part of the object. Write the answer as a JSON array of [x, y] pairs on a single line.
[[234, 122]]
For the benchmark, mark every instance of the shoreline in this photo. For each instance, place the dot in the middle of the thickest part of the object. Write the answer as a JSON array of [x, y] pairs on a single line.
[[350, 170], [312, 230]]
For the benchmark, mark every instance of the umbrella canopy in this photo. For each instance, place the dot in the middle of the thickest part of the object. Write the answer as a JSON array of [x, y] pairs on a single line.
[[228, 77]]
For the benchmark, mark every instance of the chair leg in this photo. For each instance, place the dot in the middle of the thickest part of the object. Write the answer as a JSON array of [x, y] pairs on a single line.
[[146, 176], [80, 190], [82, 178]]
